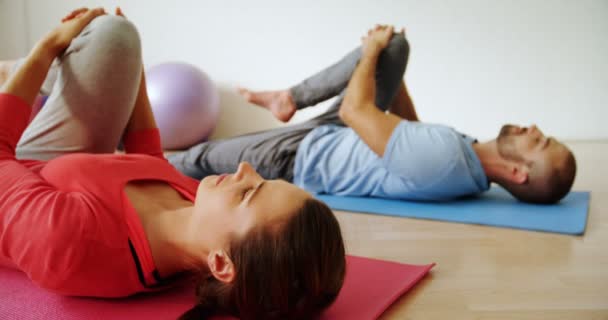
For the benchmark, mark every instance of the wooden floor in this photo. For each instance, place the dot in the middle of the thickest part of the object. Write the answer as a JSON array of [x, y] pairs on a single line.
[[493, 273]]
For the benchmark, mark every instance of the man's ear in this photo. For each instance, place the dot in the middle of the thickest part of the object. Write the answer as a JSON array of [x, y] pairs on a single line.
[[220, 266], [518, 174]]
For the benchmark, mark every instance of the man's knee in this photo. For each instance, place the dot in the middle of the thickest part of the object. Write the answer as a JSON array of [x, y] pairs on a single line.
[[398, 49]]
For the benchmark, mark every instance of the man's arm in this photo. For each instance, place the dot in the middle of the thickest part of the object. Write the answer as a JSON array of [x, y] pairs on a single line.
[[402, 105], [358, 109]]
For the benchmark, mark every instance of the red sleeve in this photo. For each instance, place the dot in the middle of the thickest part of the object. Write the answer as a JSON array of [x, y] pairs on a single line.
[[38, 222], [146, 141], [14, 117]]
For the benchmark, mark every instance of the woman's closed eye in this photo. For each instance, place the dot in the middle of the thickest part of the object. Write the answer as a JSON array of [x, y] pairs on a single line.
[[246, 192], [252, 192]]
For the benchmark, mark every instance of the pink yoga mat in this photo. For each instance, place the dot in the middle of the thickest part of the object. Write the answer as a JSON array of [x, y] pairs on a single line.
[[371, 286]]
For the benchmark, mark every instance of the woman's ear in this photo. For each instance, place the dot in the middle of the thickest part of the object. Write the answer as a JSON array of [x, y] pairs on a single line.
[[220, 266]]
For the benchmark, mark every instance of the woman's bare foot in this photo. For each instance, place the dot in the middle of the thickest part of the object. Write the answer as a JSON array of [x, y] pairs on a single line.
[[280, 103]]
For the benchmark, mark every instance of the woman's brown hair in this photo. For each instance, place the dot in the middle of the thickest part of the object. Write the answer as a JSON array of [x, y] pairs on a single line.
[[290, 273]]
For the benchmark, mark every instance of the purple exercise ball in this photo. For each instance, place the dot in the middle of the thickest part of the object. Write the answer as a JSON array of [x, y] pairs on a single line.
[[185, 103]]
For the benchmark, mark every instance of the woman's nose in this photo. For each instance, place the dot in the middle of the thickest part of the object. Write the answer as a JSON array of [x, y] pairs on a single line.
[[244, 170]]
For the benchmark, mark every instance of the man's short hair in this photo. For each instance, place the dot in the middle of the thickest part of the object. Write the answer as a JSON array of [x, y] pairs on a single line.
[[546, 186]]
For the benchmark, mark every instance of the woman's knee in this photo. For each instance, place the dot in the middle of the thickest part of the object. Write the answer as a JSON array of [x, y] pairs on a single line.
[[111, 35], [117, 31]]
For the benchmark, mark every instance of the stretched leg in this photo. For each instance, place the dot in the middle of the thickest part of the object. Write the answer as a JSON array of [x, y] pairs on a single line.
[[92, 89], [390, 69], [333, 80], [271, 152]]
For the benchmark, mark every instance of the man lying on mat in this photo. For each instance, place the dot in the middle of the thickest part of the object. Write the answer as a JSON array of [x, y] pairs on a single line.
[[89, 222], [358, 149]]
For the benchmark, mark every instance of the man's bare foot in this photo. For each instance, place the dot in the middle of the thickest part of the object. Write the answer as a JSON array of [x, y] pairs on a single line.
[[280, 103], [5, 70]]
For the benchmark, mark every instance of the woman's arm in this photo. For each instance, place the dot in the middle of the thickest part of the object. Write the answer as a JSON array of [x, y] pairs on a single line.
[[142, 117], [141, 133], [25, 83], [27, 80], [29, 205], [358, 109]]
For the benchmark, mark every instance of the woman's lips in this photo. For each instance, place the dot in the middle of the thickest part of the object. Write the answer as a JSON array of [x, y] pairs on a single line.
[[220, 178]]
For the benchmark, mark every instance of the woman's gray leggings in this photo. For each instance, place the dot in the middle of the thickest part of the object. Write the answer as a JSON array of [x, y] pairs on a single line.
[[92, 89]]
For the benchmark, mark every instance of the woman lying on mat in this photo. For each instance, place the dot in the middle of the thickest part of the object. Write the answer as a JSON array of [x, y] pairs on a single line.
[[357, 148], [88, 222]]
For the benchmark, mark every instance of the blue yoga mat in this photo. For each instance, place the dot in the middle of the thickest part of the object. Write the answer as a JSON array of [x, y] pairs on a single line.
[[494, 208]]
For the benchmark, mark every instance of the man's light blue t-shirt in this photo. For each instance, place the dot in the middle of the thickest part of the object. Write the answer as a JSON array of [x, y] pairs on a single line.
[[421, 162]]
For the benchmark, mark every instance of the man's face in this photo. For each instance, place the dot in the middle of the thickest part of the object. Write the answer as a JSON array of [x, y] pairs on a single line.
[[530, 146]]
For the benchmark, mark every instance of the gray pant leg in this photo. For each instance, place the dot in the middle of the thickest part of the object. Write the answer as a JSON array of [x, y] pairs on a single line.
[[271, 153], [327, 83], [93, 87], [334, 79]]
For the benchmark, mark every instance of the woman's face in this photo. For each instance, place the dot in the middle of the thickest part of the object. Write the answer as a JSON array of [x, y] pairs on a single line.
[[232, 204]]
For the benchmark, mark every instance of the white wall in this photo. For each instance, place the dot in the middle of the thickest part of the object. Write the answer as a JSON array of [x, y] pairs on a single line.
[[475, 64], [13, 31]]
